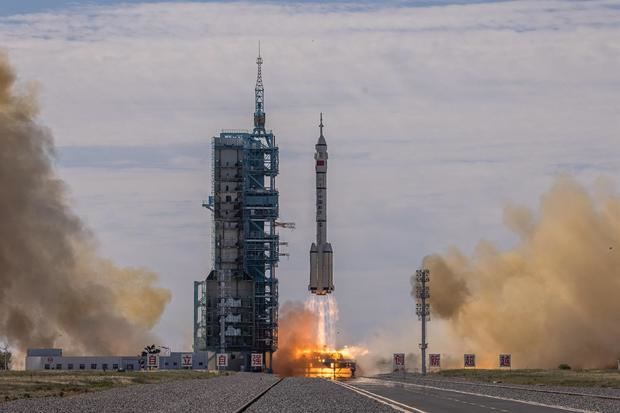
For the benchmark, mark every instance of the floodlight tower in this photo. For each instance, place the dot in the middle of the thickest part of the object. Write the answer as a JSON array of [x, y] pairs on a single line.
[[423, 309]]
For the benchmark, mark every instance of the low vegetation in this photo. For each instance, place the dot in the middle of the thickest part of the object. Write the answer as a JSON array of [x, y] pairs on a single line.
[[576, 378], [26, 384]]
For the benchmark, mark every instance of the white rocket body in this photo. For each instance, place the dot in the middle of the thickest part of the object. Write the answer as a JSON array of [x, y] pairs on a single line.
[[321, 253]]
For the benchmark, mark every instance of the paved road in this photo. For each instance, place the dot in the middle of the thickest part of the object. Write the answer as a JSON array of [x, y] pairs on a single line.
[[263, 393], [301, 395], [410, 398], [227, 394], [224, 394]]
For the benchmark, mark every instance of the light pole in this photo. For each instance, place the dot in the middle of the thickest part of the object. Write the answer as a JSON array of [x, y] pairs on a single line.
[[422, 308]]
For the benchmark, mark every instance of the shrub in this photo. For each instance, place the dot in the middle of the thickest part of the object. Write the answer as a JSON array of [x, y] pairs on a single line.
[[564, 366]]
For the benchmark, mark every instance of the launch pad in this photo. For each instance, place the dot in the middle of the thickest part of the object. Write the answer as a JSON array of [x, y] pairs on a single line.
[[326, 364], [311, 360]]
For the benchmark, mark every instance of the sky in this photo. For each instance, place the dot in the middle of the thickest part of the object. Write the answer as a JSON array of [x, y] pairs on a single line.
[[437, 114], [13, 7]]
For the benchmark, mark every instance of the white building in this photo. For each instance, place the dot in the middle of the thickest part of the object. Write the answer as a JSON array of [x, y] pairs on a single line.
[[52, 359]]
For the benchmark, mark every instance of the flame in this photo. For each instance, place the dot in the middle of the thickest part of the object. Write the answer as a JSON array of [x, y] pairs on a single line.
[[335, 364], [303, 350], [345, 352], [329, 364]]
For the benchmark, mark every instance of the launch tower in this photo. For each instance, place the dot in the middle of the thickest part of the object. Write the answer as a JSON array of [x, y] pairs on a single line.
[[236, 306]]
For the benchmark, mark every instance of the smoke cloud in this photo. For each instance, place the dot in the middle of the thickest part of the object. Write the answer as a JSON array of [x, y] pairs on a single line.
[[297, 331], [554, 298], [54, 288]]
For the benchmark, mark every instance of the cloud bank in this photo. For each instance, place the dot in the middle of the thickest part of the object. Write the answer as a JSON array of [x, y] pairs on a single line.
[[435, 117]]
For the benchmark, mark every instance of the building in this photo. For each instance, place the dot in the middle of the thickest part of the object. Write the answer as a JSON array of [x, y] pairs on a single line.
[[236, 306], [52, 359]]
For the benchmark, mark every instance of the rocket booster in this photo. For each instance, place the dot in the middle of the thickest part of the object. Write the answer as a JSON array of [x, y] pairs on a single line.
[[321, 253]]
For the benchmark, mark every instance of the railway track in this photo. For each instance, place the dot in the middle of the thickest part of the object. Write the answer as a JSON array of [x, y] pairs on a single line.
[[258, 397]]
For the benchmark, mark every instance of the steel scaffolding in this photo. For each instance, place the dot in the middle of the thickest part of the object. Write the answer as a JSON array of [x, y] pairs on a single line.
[[236, 306]]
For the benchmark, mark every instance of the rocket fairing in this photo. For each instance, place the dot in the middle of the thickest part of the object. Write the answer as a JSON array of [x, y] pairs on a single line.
[[321, 253]]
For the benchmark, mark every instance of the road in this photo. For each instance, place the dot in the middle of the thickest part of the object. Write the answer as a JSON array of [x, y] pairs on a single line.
[[412, 398], [262, 393]]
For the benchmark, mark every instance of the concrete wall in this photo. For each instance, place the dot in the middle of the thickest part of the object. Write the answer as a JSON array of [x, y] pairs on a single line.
[[200, 360], [82, 363], [45, 359]]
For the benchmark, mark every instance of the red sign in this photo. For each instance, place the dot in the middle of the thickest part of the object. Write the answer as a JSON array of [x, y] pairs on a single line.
[[222, 360], [435, 360], [152, 361], [399, 361], [186, 361], [257, 360], [320, 163], [470, 360], [505, 360]]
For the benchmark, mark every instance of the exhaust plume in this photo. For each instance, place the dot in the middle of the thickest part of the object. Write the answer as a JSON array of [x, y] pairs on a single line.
[[54, 288], [552, 299], [325, 309]]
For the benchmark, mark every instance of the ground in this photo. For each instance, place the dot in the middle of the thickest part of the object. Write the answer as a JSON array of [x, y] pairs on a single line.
[[226, 394], [26, 384], [572, 378], [452, 391]]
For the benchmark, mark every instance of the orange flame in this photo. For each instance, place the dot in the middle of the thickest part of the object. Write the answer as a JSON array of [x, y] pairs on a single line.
[[301, 352]]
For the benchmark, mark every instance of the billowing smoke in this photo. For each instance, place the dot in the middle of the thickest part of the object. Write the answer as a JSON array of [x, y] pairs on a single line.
[[297, 331], [54, 288], [554, 298]]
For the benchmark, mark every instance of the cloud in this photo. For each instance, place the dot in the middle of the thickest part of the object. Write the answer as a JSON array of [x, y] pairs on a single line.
[[179, 156], [435, 116]]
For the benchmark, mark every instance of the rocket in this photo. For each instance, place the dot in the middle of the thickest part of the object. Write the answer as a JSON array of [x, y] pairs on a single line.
[[321, 253]]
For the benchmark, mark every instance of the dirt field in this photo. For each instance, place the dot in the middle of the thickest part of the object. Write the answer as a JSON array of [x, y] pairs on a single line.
[[25, 384], [575, 378]]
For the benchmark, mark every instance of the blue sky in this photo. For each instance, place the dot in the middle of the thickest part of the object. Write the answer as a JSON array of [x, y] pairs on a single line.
[[11, 7], [435, 117]]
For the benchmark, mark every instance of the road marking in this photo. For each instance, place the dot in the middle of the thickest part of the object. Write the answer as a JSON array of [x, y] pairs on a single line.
[[435, 395], [566, 409], [499, 386], [381, 399]]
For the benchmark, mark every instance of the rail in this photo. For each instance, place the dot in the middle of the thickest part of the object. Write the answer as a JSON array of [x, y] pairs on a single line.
[[257, 398]]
